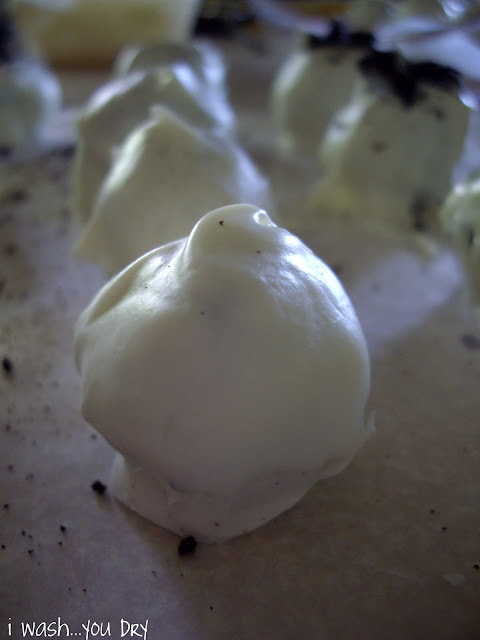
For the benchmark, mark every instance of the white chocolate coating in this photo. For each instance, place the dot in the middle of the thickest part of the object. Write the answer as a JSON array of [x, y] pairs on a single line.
[[390, 166], [460, 219], [307, 92], [372, 13], [365, 14], [202, 57], [29, 96], [199, 64], [433, 8], [166, 177], [229, 371], [86, 33], [119, 106]]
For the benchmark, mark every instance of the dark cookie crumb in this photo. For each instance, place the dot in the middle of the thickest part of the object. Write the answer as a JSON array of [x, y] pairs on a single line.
[[336, 36], [220, 222], [3, 546], [99, 487], [224, 19], [30, 552], [405, 79], [419, 211], [6, 506], [470, 341], [63, 528], [391, 68], [10, 47], [469, 236], [10, 249], [437, 75], [64, 152], [16, 195], [379, 146], [187, 546], [476, 567], [7, 366], [5, 152]]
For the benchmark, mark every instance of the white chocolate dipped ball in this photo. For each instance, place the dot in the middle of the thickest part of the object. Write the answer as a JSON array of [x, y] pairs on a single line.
[[315, 82], [200, 66], [229, 371], [307, 92], [167, 175], [30, 95], [460, 219], [389, 156], [117, 107]]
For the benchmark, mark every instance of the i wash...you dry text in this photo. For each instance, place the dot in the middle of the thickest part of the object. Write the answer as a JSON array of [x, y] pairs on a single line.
[[90, 629]]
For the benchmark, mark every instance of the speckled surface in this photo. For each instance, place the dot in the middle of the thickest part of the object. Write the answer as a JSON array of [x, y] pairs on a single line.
[[389, 548]]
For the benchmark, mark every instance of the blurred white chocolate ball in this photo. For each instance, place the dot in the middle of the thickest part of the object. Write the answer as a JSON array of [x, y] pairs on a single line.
[[119, 106], [167, 175]]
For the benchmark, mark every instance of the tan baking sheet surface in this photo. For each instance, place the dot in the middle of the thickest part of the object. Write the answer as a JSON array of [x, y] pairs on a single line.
[[390, 548]]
